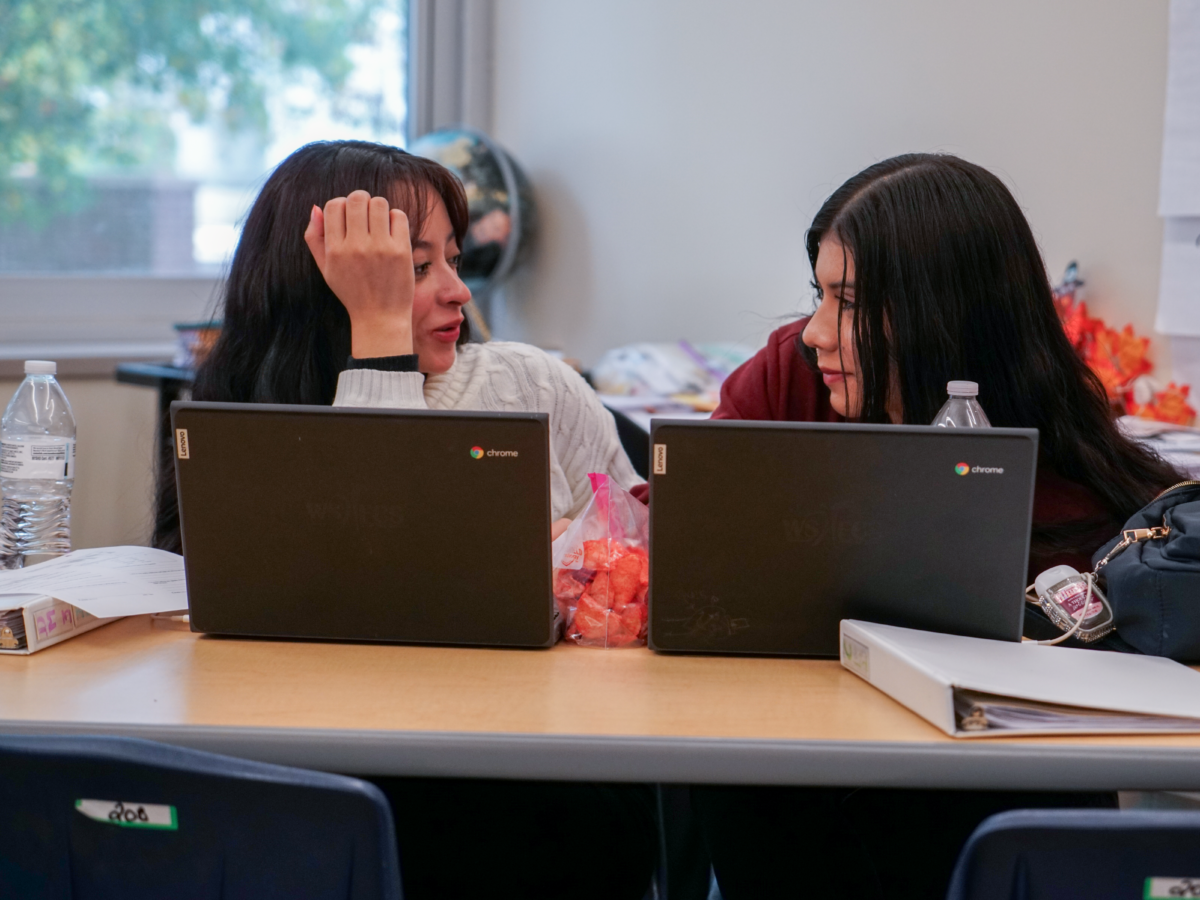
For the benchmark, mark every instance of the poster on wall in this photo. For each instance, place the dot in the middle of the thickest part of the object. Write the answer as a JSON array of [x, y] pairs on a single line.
[[1179, 195]]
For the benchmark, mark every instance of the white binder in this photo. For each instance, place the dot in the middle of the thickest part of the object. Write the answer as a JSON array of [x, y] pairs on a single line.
[[970, 687], [36, 622]]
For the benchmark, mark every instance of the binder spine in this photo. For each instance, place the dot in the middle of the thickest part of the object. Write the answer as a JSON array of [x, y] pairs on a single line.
[[898, 676], [47, 622]]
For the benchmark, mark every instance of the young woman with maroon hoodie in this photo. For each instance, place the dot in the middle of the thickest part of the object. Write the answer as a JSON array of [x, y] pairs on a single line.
[[925, 271]]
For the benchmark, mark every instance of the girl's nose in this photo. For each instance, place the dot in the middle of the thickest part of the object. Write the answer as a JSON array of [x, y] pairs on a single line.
[[821, 332], [455, 292]]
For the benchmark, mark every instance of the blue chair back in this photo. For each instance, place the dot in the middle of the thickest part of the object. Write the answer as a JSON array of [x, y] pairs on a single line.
[[1077, 853], [93, 818]]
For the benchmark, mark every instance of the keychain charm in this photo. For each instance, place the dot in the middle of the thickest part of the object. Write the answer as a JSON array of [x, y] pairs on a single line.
[[1061, 593]]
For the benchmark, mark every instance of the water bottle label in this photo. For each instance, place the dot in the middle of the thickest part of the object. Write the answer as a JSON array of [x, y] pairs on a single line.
[[21, 459]]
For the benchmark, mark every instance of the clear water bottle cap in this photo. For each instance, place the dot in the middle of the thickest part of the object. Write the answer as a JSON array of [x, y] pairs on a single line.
[[40, 367], [963, 388]]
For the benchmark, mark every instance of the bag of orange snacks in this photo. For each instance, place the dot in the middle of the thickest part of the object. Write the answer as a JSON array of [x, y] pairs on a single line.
[[602, 570]]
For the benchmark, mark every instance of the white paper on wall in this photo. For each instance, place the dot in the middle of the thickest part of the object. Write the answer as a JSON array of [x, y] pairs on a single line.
[[1179, 284], [1179, 190]]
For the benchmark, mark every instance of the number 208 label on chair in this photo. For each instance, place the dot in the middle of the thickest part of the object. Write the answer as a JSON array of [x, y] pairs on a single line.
[[1169, 888], [130, 815]]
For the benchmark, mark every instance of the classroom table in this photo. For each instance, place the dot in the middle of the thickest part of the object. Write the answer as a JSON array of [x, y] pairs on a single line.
[[564, 713]]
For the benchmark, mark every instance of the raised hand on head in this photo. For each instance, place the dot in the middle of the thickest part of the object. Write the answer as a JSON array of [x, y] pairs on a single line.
[[362, 247]]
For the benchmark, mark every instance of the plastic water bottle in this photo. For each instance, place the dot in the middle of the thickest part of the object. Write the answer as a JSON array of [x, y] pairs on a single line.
[[37, 469], [962, 410]]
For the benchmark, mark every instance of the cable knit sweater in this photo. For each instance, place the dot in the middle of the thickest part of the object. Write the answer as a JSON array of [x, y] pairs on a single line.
[[511, 377]]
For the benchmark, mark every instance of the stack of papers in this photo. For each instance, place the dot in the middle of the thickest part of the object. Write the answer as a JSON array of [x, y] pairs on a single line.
[[975, 711], [1177, 444], [105, 582]]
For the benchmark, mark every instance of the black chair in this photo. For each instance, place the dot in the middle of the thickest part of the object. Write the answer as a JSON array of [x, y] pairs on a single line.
[[93, 818], [1068, 853]]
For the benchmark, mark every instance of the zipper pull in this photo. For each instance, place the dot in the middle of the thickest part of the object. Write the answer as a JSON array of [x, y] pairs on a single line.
[[1136, 535]]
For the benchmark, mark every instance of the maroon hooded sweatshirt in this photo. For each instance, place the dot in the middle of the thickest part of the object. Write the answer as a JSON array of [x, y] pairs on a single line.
[[777, 384]]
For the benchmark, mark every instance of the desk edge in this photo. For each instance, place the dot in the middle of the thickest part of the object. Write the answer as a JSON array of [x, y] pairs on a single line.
[[1023, 765]]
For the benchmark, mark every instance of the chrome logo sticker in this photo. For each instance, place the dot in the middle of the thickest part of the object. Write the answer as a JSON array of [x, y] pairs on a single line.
[[476, 453], [964, 468]]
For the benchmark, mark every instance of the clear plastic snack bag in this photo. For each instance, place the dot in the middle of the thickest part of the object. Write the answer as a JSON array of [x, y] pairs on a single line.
[[602, 570]]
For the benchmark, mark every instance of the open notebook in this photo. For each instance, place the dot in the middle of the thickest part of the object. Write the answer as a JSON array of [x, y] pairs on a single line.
[[970, 687]]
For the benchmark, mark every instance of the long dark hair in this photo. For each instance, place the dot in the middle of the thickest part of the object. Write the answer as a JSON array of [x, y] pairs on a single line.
[[949, 284], [285, 335]]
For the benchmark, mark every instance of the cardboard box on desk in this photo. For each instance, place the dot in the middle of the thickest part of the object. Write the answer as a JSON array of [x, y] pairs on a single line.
[[41, 621]]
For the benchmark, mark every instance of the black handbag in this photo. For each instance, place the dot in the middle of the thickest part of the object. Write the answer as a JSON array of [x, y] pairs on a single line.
[[1151, 574]]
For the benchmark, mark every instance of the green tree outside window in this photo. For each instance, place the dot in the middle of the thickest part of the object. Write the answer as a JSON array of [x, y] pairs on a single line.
[[89, 86]]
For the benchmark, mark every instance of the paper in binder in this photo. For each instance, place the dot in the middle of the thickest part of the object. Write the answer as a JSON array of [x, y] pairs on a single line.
[[970, 687], [58, 599]]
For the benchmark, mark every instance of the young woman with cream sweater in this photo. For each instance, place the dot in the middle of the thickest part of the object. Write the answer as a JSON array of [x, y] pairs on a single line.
[[344, 289]]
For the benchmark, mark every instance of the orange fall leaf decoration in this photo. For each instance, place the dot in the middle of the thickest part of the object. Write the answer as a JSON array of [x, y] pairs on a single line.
[[1117, 358], [1167, 406]]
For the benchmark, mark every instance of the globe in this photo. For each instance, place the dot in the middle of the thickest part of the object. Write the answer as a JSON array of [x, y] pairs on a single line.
[[503, 217]]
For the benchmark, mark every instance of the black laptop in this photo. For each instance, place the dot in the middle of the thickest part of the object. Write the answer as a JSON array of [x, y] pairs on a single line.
[[373, 525], [764, 535]]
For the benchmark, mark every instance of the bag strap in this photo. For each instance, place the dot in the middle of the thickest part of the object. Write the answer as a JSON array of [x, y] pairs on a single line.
[[1132, 536]]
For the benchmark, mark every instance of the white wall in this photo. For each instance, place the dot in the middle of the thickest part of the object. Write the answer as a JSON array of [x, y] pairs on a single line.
[[680, 147]]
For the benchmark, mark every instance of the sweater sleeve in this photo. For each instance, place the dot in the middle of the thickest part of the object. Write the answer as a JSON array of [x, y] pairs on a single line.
[[584, 437], [374, 388]]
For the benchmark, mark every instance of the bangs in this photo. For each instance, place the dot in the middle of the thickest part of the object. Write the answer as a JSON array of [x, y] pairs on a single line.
[[413, 192]]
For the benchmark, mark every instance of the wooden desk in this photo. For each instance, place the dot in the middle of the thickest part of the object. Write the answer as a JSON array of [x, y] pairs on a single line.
[[566, 713]]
